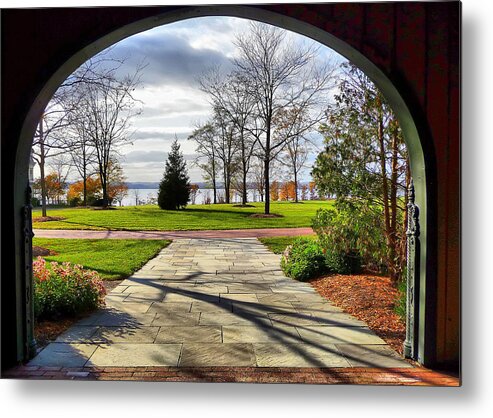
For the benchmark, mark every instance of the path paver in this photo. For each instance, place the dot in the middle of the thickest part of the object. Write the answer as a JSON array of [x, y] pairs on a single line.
[[215, 303]]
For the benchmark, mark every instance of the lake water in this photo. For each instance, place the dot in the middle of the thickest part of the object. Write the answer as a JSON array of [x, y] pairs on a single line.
[[149, 196]]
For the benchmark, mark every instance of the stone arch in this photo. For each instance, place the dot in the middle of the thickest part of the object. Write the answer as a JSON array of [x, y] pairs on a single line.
[[411, 117]]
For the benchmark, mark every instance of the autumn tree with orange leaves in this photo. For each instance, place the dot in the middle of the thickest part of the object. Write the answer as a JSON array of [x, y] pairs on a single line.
[[274, 191], [117, 188], [287, 191], [54, 187], [313, 190], [75, 193]]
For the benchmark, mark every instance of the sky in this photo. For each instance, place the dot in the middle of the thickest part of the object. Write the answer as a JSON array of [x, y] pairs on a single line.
[[176, 55]]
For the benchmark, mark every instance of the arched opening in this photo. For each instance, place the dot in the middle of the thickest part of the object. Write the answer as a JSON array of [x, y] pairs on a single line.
[[417, 158]]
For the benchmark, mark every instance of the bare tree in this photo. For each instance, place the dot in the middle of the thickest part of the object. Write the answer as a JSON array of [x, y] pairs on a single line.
[[194, 191], [258, 178], [60, 164], [291, 124], [52, 137], [136, 194], [204, 136], [226, 149], [217, 143], [107, 108], [230, 96], [117, 186], [279, 75], [49, 139], [83, 154]]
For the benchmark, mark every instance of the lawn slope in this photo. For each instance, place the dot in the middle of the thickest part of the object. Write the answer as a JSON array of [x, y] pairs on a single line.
[[193, 218], [113, 259]]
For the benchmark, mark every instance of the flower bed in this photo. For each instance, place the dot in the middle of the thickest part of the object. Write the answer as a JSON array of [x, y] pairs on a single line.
[[64, 290]]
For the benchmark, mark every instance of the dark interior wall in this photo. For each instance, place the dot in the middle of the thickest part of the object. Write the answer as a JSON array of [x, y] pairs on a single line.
[[415, 44]]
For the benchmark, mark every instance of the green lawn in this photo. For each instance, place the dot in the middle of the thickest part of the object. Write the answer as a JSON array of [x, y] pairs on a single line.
[[278, 244], [194, 217], [113, 259]]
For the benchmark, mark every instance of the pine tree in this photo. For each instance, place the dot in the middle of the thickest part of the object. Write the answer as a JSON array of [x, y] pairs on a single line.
[[174, 189]]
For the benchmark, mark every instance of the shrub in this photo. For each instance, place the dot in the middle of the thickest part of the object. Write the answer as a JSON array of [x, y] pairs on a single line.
[[343, 262], [74, 201], [65, 289], [348, 240], [96, 202], [303, 260]]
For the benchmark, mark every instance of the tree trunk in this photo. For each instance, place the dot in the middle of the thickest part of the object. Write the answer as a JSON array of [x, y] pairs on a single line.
[[105, 196], [214, 176], [385, 198], [267, 163], [295, 186], [84, 177], [226, 185], [214, 190], [244, 196], [103, 176], [393, 207], [267, 187], [42, 168]]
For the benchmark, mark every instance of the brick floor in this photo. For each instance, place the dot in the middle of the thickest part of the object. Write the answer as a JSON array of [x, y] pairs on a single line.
[[356, 376]]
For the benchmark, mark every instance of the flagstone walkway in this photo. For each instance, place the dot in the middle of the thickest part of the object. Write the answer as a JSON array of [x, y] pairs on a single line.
[[217, 302]]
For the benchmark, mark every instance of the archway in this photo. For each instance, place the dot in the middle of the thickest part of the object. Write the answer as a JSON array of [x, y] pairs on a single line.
[[422, 164]]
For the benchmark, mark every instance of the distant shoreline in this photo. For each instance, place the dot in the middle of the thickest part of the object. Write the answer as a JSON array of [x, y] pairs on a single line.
[[202, 186]]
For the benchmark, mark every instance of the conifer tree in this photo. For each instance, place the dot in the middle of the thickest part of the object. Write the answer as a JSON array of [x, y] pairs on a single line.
[[174, 189]]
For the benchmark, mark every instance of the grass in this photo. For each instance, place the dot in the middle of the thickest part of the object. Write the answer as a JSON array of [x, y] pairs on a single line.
[[278, 244], [194, 217], [113, 259]]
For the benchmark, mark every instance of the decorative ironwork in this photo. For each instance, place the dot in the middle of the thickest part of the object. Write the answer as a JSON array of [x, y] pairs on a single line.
[[28, 273], [412, 234]]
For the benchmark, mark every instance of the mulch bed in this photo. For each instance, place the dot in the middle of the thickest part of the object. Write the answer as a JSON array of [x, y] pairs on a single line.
[[48, 218], [102, 208], [265, 215], [111, 284], [368, 298], [41, 251], [47, 331]]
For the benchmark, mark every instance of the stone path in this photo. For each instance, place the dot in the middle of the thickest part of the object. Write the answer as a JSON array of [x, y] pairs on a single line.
[[212, 234], [217, 302]]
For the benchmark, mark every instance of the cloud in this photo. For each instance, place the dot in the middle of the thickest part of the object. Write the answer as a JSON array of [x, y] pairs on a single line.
[[176, 107], [165, 137], [142, 156], [170, 58], [151, 156]]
